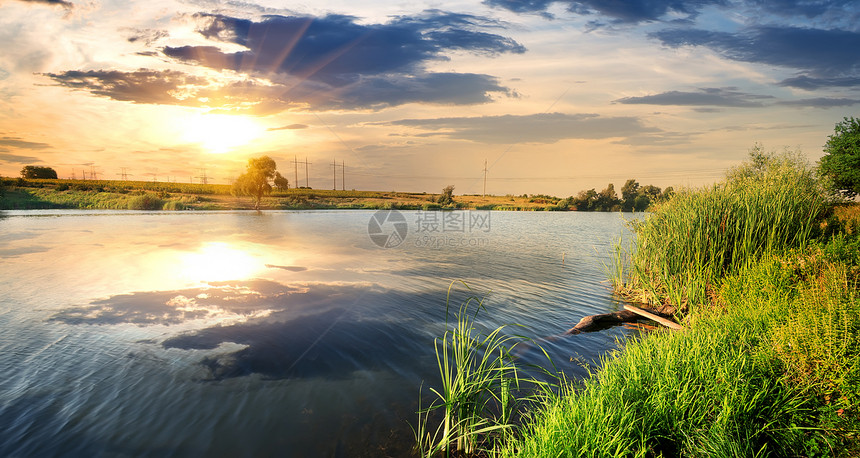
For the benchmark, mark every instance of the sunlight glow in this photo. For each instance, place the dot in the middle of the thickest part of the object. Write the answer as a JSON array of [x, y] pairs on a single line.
[[219, 134], [217, 261]]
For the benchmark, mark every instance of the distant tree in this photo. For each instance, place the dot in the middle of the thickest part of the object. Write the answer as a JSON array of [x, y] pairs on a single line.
[[641, 202], [255, 181], [653, 192], [280, 182], [841, 161], [607, 200], [37, 171], [586, 201], [447, 196], [628, 195]]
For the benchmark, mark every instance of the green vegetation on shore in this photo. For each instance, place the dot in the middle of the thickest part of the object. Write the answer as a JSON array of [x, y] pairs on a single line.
[[25, 194], [764, 270]]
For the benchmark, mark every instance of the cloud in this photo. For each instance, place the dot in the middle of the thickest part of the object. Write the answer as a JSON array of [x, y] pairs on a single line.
[[712, 97], [819, 52], [147, 36], [288, 127], [172, 87], [16, 142], [535, 128], [630, 11], [820, 102], [16, 158], [336, 49], [335, 62], [62, 3], [811, 83], [807, 8]]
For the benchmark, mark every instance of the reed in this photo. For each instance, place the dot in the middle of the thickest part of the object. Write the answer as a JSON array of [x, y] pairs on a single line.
[[773, 373], [479, 383], [691, 241]]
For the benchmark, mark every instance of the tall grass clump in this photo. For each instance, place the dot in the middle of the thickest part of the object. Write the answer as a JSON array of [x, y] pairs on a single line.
[[476, 400], [769, 204], [748, 379], [145, 202]]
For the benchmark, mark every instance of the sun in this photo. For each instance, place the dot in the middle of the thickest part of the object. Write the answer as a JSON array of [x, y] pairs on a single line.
[[219, 134]]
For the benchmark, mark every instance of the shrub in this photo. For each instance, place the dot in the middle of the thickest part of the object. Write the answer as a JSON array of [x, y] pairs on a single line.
[[145, 202]]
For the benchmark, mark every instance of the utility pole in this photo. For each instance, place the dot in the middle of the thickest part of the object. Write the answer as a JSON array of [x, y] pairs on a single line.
[[334, 166], [296, 167], [307, 183], [203, 178], [93, 173], [485, 179], [124, 173], [343, 176]]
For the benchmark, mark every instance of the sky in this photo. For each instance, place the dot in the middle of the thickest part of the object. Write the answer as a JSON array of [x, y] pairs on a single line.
[[554, 96]]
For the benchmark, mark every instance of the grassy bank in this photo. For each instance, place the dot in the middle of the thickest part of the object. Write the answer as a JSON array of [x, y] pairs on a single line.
[[772, 371], [23, 194], [765, 271]]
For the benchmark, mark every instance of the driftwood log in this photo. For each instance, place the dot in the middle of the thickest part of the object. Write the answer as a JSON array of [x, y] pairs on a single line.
[[602, 321]]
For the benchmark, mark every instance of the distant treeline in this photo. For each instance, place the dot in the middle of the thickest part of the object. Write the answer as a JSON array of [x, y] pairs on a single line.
[[633, 198]]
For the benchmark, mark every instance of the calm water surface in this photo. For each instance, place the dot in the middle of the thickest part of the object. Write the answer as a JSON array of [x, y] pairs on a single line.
[[275, 334]]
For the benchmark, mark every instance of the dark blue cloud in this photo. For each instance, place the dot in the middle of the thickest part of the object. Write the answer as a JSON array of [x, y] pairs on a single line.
[[820, 102], [711, 97], [336, 49], [335, 62], [629, 11], [806, 8], [171, 87], [816, 51], [534, 128], [811, 83]]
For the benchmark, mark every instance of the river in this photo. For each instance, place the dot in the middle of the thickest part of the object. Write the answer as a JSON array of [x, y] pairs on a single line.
[[304, 333]]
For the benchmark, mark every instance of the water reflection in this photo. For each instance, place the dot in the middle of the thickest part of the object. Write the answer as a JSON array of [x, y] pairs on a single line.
[[218, 261], [236, 334]]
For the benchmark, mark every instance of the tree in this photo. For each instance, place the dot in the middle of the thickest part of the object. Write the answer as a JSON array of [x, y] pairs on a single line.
[[628, 195], [447, 196], [607, 200], [841, 161], [37, 171], [586, 201], [281, 183], [255, 181]]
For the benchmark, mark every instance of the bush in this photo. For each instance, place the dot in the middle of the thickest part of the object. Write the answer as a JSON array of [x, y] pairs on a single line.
[[174, 205], [145, 202]]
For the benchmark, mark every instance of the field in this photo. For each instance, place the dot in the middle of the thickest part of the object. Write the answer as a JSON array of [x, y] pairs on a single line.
[[147, 195]]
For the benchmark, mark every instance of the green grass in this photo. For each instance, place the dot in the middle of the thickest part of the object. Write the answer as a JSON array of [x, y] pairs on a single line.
[[765, 375], [691, 241], [478, 382], [45, 198]]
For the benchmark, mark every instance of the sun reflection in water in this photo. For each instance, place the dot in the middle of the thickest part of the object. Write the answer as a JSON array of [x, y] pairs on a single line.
[[218, 261]]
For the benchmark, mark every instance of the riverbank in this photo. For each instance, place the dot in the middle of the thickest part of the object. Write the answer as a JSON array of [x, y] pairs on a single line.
[[20, 194], [766, 274], [763, 270]]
